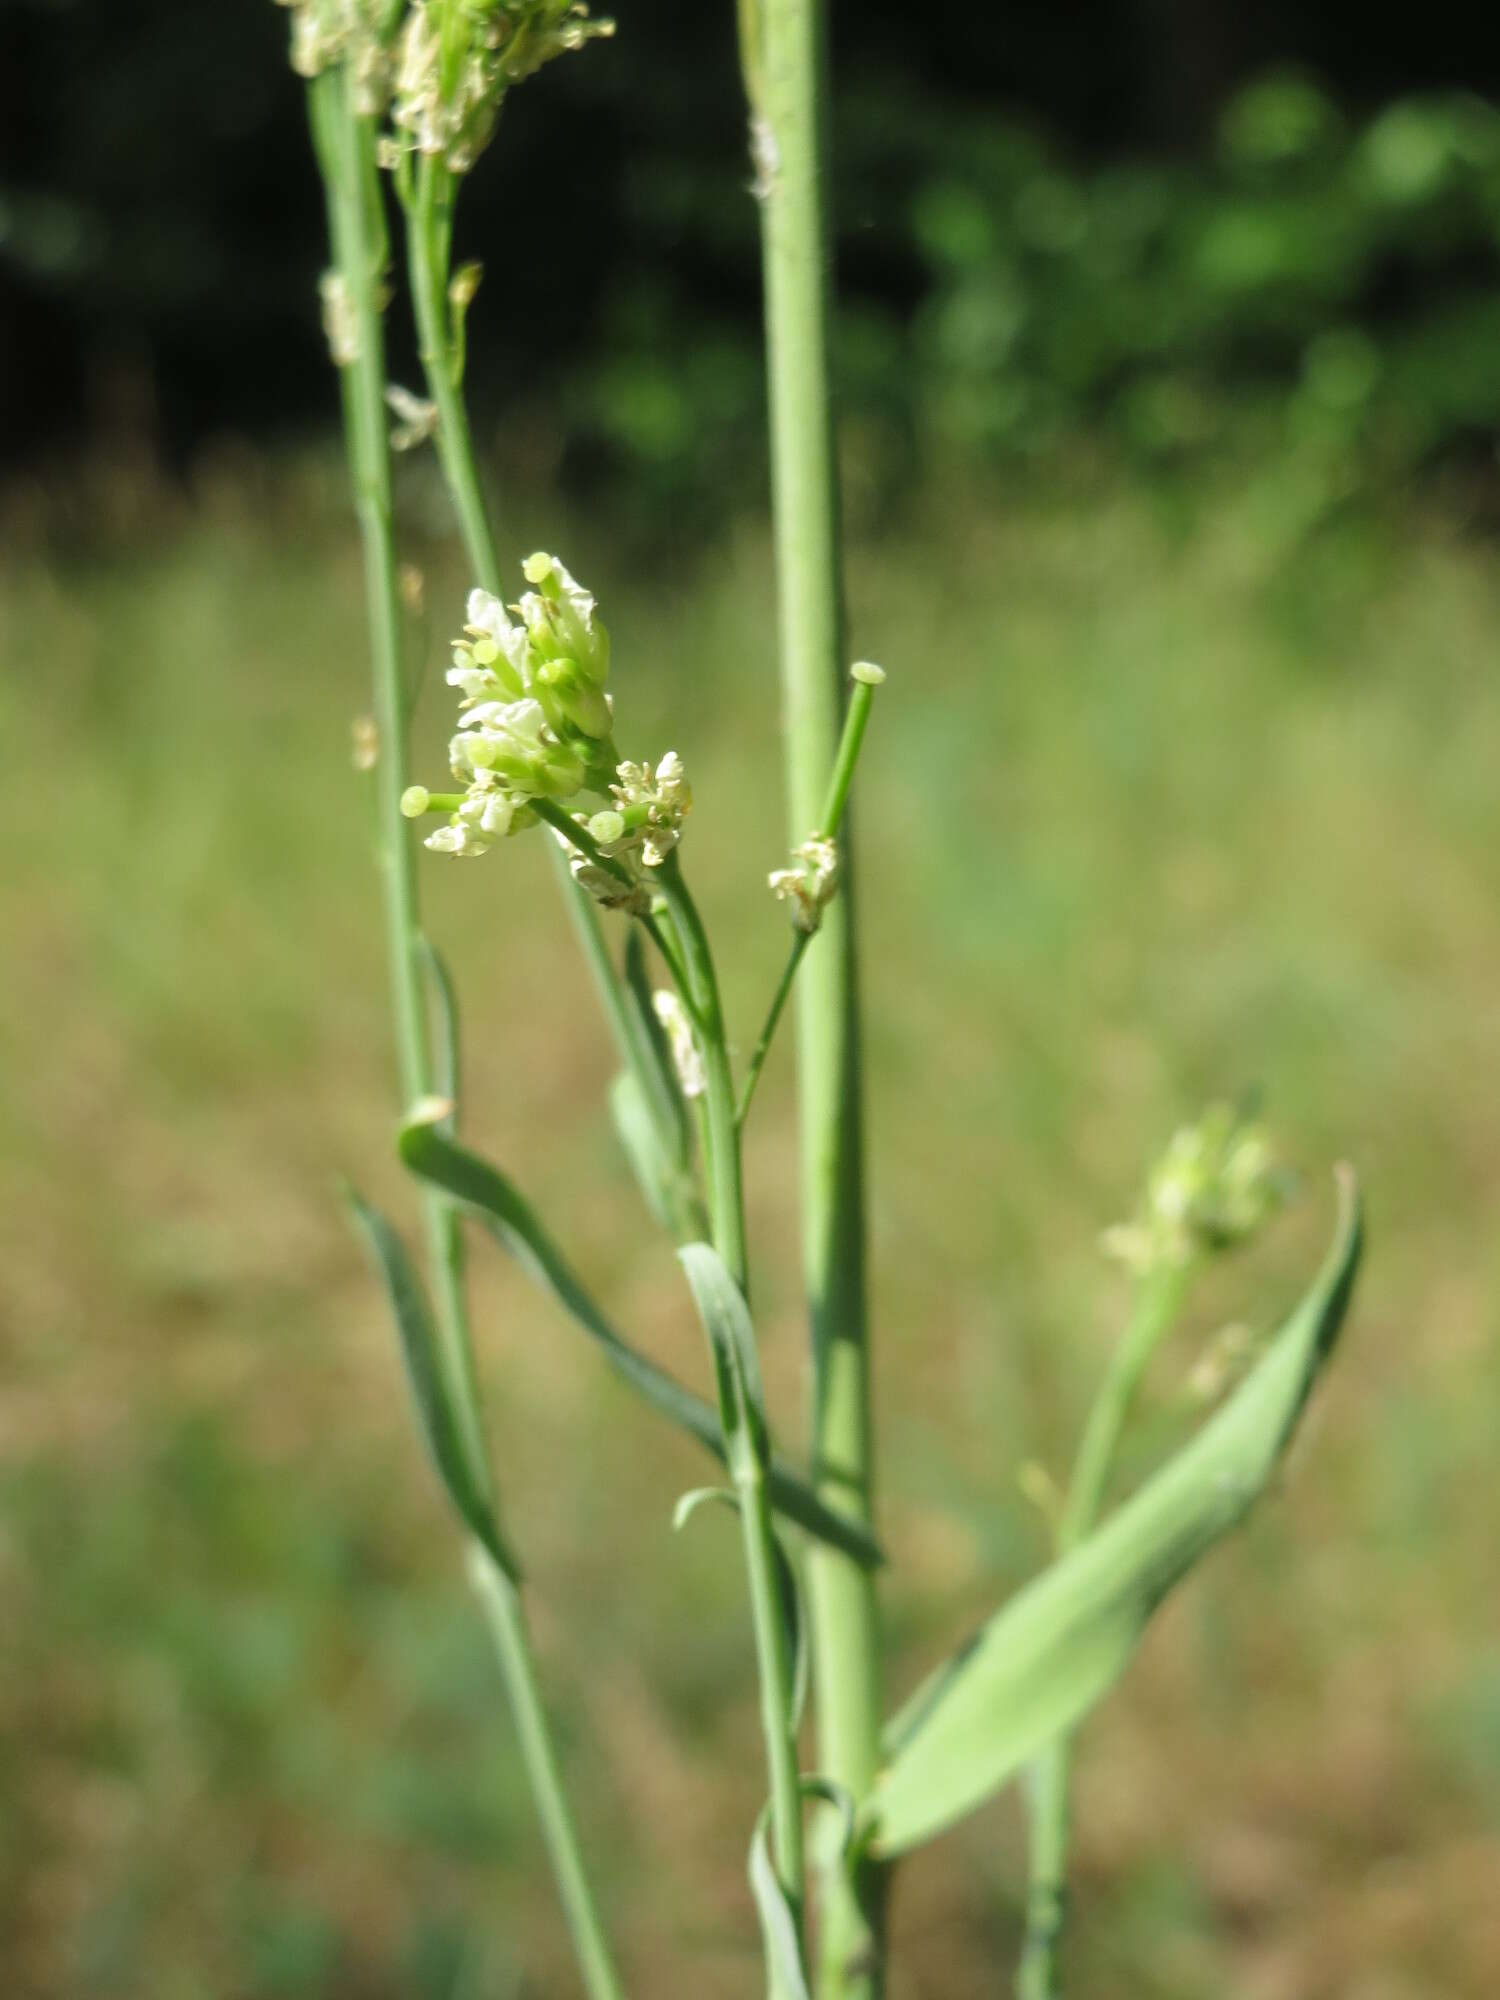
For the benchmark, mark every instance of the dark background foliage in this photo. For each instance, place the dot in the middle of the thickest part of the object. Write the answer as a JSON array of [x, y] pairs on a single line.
[[1003, 173]]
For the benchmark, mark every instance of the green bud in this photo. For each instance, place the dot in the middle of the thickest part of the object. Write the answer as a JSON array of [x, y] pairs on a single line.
[[571, 700], [607, 827], [415, 801]]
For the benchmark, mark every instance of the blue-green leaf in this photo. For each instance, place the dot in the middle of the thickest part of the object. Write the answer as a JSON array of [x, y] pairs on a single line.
[[1061, 1642], [494, 1202], [435, 1415]]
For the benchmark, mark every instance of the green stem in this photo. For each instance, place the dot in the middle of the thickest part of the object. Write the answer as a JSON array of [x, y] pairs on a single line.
[[345, 145], [722, 1161], [785, 57], [1156, 1308], [767, 1034], [505, 1616], [346, 152], [775, 1668], [721, 1142], [429, 247], [857, 717]]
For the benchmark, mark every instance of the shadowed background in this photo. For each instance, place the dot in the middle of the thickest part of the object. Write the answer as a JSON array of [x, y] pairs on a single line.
[[1170, 375]]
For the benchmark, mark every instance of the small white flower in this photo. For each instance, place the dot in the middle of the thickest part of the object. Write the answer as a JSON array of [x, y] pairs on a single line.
[[810, 884]]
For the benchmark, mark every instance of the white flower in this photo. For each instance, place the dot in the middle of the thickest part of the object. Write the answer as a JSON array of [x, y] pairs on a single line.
[[810, 884], [653, 805]]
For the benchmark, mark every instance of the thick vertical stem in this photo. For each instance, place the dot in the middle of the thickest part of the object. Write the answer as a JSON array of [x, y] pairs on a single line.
[[785, 52], [345, 143]]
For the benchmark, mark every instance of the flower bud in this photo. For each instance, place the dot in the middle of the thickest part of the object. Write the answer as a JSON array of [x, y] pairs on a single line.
[[415, 801]]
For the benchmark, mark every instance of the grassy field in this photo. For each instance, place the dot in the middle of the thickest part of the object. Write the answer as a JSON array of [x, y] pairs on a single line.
[[1158, 804]]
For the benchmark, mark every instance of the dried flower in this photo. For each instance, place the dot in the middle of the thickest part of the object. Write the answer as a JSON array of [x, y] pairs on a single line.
[[687, 1058], [811, 883]]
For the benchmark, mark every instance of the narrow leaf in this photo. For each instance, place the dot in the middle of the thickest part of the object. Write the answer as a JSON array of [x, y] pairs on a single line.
[[496, 1204], [1050, 1653], [779, 1929], [435, 1416], [448, 1065], [731, 1338], [668, 1190], [789, 1586]]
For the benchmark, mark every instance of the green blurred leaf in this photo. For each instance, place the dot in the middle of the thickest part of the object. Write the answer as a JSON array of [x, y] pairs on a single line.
[[1060, 1643], [429, 1387], [779, 1929], [667, 1191], [731, 1339], [653, 1058], [482, 1188], [448, 1066]]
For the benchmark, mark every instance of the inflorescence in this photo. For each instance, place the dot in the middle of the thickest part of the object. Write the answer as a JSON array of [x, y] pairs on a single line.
[[1214, 1187], [536, 724]]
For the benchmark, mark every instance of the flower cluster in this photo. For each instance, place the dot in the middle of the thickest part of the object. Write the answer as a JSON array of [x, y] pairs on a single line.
[[1213, 1188], [535, 723], [811, 883], [459, 57], [359, 32]]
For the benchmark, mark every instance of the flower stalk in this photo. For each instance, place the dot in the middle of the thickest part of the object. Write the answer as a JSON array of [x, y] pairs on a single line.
[[344, 138]]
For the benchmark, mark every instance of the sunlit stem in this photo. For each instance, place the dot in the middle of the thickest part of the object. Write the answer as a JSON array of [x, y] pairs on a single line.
[[785, 56], [1157, 1304]]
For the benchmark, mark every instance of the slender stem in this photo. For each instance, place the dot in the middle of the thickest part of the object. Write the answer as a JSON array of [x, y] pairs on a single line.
[[345, 145], [725, 1193], [774, 1663], [1156, 1307], [505, 1616], [721, 1144], [784, 44], [767, 1034], [855, 719], [429, 245]]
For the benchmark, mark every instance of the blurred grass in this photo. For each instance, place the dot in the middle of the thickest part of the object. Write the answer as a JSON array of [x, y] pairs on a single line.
[[1160, 801]]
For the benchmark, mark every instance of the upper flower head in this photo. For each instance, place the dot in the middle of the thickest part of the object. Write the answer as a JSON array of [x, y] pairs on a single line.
[[458, 58], [535, 724]]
